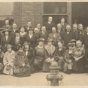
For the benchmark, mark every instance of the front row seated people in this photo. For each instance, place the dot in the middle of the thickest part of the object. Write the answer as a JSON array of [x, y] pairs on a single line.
[[27, 60]]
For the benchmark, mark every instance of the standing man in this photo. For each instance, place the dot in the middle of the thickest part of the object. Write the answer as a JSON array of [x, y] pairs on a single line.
[[49, 25], [80, 33], [13, 31], [67, 35]]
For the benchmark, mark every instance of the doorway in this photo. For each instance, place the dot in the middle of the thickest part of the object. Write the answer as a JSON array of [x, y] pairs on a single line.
[[80, 13]]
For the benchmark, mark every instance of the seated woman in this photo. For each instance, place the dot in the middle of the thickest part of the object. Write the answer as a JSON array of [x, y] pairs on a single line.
[[49, 56], [79, 58], [39, 55], [68, 59], [21, 64], [1, 60], [29, 52], [8, 60], [59, 54]]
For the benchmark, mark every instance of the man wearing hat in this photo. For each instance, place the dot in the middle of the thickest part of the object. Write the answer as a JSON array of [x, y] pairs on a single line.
[[6, 39], [31, 38]]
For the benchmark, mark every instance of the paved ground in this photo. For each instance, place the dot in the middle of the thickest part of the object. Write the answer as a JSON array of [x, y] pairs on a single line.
[[39, 79]]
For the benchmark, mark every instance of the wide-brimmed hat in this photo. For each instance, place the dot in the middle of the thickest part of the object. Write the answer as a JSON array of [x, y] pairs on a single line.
[[73, 41], [41, 40], [8, 30], [19, 47], [70, 44], [26, 43], [9, 46]]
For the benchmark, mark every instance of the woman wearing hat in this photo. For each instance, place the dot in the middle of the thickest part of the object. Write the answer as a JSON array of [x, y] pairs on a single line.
[[29, 52], [31, 38], [8, 60], [68, 66], [21, 64], [6, 39], [39, 55], [59, 54], [1, 60], [49, 56], [79, 57]]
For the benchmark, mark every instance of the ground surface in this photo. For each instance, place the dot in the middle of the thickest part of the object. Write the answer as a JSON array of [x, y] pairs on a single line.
[[39, 79]]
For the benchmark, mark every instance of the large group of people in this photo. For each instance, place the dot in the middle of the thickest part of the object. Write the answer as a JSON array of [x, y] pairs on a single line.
[[27, 50]]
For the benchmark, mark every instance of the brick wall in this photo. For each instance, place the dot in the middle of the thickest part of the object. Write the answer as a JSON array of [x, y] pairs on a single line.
[[28, 11], [17, 13]]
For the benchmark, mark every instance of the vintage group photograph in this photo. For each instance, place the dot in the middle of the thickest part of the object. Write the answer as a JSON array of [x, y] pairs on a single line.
[[43, 43]]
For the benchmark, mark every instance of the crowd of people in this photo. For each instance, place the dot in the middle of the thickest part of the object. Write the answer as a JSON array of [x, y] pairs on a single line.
[[27, 50]]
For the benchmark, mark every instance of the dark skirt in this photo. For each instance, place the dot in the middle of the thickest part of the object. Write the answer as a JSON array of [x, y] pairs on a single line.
[[1, 68], [46, 67], [79, 66], [22, 71], [38, 63]]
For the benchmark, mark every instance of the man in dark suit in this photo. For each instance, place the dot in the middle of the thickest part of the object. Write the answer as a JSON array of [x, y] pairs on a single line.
[[49, 25], [67, 35], [31, 38], [54, 36], [43, 33], [13, 30]]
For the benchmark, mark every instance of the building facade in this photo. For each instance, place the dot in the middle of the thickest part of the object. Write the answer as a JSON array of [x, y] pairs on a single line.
[[38, 12]]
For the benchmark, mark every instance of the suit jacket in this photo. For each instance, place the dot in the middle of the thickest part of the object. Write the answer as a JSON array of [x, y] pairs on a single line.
[[45, 36], [32, 40], [80, 36], [49, 26], [67, 37]]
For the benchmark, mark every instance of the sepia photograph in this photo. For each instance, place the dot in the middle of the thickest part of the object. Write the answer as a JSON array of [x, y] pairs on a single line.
[[44, 43]]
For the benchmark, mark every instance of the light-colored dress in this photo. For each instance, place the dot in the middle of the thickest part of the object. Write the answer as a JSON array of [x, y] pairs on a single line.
[[8, 62], [49, 55]]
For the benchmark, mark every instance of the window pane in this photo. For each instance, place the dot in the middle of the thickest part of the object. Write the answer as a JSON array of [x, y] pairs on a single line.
[[55, 7]]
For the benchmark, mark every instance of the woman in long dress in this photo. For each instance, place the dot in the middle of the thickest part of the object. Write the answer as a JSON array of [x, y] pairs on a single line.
[[79, 58], [8, 60], [59, 54], [29, 52], [21, 64], [49, 56], [39, 55]]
